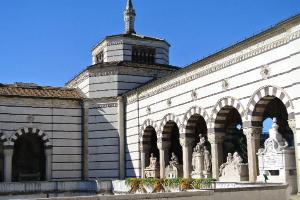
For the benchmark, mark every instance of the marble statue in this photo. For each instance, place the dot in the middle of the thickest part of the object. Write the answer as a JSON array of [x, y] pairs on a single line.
[[201, 160], [174, 159], [152, 171], [277, 160], [234, 170], [174, 169], [207, 160]]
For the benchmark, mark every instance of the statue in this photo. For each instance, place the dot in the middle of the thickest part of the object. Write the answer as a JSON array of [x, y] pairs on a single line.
[[201, 160], [153, 162], [199, 147], [152, 171], [276, 160], [234, 169], [174, 169], [174, 159], [207, 160], [228, 161]]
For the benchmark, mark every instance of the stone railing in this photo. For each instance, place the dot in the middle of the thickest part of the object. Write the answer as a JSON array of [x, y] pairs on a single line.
[[91, 187]]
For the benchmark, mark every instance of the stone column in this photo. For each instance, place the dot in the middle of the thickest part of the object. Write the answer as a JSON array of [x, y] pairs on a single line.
[[215, 140], [121, 130], [186, 144], [292, 125], [8, 153], [163, 156], [253, 136], [85, 138], [144, 156], [48, 155]]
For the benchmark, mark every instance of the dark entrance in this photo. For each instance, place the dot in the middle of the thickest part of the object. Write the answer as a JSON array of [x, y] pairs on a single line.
[[28, 159]]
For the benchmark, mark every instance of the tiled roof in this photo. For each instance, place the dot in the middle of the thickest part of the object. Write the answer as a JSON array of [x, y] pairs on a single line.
[[33, 90]]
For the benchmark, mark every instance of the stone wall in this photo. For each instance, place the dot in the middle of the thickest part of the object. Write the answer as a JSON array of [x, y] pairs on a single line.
[[61, 122], [252, 193]]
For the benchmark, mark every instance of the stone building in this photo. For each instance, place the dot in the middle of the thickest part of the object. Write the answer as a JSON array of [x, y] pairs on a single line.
[[130, 102]]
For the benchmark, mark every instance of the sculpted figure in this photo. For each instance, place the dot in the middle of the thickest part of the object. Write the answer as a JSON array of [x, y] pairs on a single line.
[[237, 159], [153, 162], [199, 147], [174, 160], [229, 160], [207, 159]]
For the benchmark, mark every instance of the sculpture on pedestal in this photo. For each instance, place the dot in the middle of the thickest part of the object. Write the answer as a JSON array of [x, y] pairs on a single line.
[[152, 171], [174, 169], [201, 160], [277, 160], [234, 169]]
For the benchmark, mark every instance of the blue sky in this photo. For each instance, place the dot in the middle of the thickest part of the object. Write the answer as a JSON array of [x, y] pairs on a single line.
[[49, 41]]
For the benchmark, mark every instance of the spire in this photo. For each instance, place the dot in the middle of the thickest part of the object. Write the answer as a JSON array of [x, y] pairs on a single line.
[[129, 17]]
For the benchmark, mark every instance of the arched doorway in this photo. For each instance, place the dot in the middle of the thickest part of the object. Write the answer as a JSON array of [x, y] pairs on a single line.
[[228, 125], [171, 131], [195, 127], [148, 147], [265, 109], [270, 107], [29, 159]]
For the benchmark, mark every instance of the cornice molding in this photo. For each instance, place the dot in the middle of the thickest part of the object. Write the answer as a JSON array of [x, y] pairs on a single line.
[[159, 87]]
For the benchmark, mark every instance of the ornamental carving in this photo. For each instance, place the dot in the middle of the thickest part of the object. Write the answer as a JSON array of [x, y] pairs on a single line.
[[194, 95], [225, 84], [252, 132], [169, 102], [265, 72], [148, 110]]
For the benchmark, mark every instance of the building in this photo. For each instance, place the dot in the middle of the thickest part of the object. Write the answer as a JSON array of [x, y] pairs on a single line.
[[130, 102]]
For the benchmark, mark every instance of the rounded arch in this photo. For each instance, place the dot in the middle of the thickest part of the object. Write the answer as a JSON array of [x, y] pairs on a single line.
[[265, 95], [167, 118], [225, 104], [194, 111], [147, 123], [35, 131]]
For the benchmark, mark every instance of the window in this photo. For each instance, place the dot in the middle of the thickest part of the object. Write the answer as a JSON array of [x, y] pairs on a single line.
[[100, 57], [143, 55]]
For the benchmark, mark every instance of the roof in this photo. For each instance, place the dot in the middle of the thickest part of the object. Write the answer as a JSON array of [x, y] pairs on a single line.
[[281, 26], [126, 64], [133, 36], [35, 91]]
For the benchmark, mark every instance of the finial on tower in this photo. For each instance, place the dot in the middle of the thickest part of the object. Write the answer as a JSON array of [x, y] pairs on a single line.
[[129, 17]]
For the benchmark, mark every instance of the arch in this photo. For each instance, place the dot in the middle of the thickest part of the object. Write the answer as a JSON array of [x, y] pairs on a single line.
[[35, 131], [194, 111], [266, 94], [166, 119], [147, 123], [225, 104]]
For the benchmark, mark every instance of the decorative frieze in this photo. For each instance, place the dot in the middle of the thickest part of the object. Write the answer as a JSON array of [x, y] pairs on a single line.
[[200, 71], [107, 105]]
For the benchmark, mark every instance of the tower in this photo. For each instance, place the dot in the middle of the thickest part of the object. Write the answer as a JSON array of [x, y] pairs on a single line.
[[129, 18]]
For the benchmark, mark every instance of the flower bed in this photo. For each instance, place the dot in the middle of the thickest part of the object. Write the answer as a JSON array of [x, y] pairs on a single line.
[[152, 185]]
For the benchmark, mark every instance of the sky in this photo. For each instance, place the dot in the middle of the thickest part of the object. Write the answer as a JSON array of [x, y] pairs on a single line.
[[48, 42]]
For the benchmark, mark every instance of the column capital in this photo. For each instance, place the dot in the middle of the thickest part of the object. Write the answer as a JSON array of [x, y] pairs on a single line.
[[185, 142], [292, 123], [252, 132], [215, 138], [8, 150], [163, 144]]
